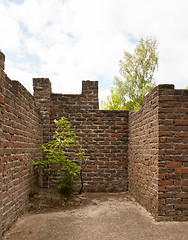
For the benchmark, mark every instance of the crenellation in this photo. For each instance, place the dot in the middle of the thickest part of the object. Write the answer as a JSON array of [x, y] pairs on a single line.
[[2, 61], [144, 152]]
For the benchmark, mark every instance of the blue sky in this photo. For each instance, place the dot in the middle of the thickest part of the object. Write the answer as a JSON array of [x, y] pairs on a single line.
[[70, 40]]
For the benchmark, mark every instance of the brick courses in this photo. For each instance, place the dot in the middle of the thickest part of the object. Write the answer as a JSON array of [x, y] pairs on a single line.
[[145, 152], [104, 134], [173, 153], [2, 110], [21, 135], [158, 153]]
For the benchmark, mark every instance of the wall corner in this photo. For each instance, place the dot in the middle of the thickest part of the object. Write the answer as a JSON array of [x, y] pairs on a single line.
[[2, 61]]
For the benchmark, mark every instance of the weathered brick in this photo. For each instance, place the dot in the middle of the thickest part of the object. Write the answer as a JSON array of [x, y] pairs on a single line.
[[170, 106], [181, 170], [182, 195], [150, 145], [174, 164], [181, 122], [165, 182], [22, 133]]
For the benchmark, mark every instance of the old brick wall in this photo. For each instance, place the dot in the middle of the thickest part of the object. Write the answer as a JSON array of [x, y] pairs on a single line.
[[173, 153], [42, 96], [2, 101], [21, 134], [143, 153], [145, 150], [104, 134], [158, 153]]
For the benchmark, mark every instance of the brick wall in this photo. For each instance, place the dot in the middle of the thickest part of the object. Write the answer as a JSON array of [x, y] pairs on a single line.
[[143, 153], [42, 96], [158, 153], [104, 134], [2, 101], [173, 154], [154, 174], [21, 135]]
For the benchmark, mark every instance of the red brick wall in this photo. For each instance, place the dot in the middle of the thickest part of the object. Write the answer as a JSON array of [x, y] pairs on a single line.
[[42, 97], [157, 138], [173, 154], [152, 144], [2, 101], [158, 153], [143, 152], [104, 134], [21, 135]]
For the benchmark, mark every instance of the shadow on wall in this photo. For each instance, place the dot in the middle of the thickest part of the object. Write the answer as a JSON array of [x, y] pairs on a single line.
[[148, 148]]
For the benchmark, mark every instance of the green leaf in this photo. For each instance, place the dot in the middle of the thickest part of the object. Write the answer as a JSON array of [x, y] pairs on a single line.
[[137, 71], [56, 161]]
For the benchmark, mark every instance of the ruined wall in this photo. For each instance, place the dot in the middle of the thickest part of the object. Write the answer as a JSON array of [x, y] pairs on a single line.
[[173, 154], [158, 153], [2, 101], [21, 135], [143, 152], [151, 144], [104, 134]]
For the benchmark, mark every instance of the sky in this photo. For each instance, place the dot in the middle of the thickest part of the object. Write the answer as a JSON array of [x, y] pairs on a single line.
[[73, 40]]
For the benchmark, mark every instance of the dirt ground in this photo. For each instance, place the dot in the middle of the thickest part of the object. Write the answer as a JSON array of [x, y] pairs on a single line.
[[91, 216]]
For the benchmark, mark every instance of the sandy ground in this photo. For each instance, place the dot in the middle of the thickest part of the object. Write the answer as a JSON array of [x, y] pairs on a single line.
[[94, 217]]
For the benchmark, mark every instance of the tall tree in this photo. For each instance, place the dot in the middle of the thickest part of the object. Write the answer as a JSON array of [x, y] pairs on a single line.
[[137, 71]]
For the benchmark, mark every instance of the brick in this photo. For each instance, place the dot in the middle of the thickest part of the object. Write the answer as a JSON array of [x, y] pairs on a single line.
[[165, 182], [174, 164], [181, 206], [2, 100], [151, 143], [182, 195], [181, 122], [162, 139], [181, 170], [91, 166], [22, 133], [110, 139], [185, 188], [110, 163]]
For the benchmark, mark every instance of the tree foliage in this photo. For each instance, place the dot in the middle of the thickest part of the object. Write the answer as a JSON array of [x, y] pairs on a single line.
[[114, 101], [56, 160], [186, 88], [137, 71]]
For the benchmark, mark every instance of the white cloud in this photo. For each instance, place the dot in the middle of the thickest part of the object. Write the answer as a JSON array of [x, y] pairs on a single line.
[[79, 40], [20, 75], [9, 29]]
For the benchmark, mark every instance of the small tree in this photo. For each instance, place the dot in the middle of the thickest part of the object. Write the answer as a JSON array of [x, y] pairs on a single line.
[[56, 160], [137, 71]]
